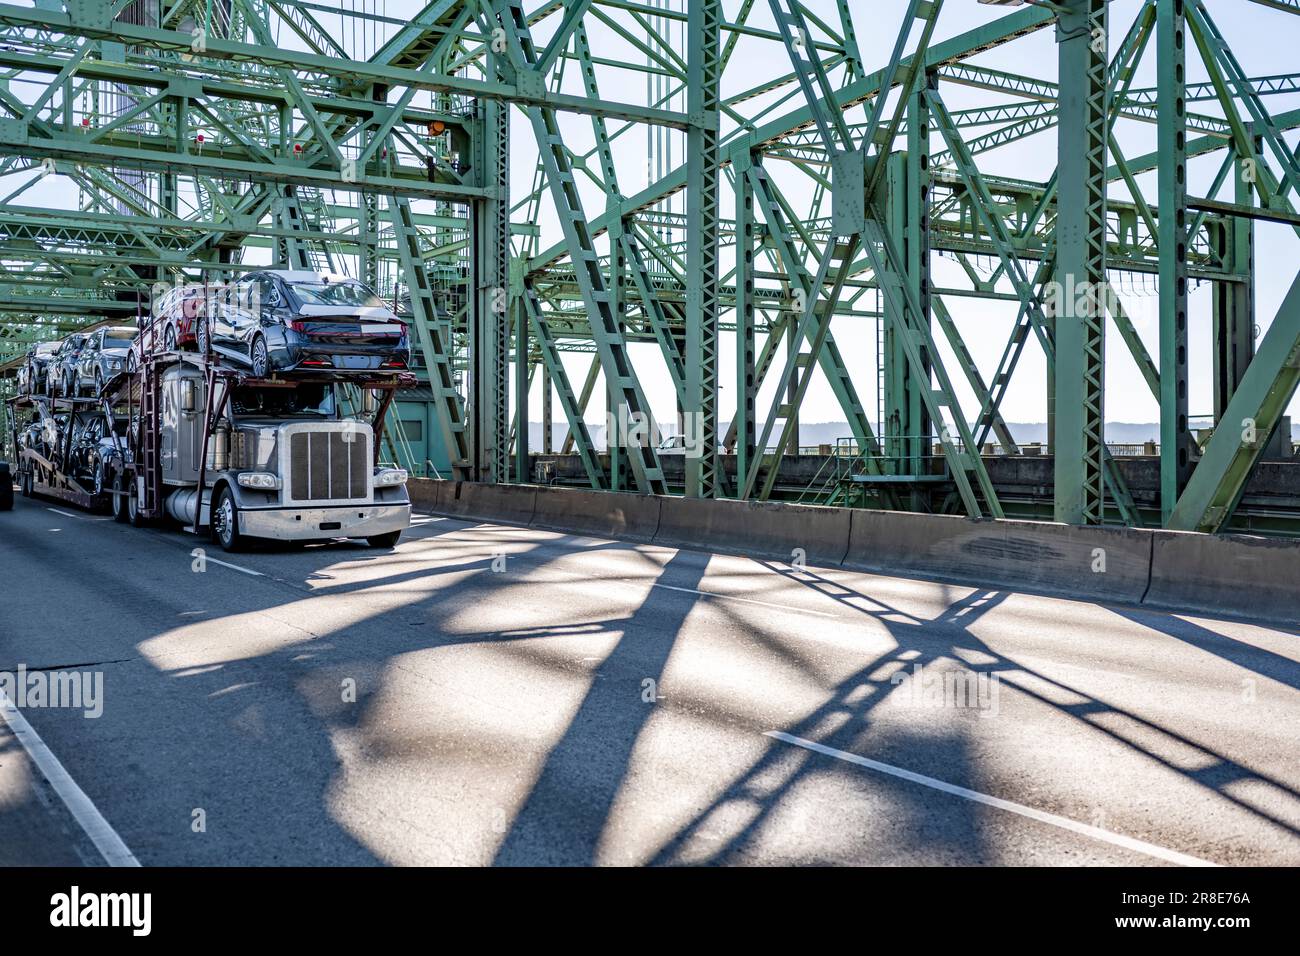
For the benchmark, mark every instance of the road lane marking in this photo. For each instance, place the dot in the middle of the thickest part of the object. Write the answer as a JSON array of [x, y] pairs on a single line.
[[1064, 823], [86, 814], [234, 567], [69, 514]]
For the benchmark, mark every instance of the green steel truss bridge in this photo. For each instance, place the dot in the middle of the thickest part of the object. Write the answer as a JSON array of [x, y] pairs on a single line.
[[657, 182]]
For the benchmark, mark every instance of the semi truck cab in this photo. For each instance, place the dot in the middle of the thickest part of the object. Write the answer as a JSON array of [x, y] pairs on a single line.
[[281, 463]]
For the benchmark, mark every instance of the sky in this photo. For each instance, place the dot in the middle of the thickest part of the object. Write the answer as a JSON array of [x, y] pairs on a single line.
[[1264, 41]]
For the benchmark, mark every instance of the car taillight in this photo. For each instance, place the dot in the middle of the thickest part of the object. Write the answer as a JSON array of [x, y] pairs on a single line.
[[394, 363], [298, 325], [316, 363]]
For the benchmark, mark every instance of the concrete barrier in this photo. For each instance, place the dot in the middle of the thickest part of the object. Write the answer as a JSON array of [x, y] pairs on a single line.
[[509, 504], [601, 514], [755, 528], [1096, 563], [1241, 575], [427, 493], [1236, 575]]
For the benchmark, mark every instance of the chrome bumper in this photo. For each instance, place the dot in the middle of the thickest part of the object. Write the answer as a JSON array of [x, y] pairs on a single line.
[[302, 524]]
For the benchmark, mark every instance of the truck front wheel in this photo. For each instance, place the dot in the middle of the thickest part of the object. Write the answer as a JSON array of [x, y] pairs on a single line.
[[384, 540], [225, 522]]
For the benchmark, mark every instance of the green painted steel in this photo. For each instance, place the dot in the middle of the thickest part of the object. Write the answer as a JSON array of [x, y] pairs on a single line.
[[797, 196]]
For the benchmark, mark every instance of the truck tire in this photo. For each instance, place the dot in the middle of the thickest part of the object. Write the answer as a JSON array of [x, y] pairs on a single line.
[[385, 541], [133, 516], [25, 482], [119, 501], [224, 521], [6, 487]]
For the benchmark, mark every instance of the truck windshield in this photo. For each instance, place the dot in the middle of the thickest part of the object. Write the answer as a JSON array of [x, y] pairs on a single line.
[[337, 293], [316, 400]]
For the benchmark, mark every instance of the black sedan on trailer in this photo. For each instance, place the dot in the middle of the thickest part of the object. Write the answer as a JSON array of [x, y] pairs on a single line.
[[279, 321]]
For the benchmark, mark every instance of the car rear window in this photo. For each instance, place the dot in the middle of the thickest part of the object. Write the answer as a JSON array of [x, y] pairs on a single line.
[[337, 293]]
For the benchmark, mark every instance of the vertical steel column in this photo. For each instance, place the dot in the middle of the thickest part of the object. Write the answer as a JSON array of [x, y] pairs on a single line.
[[746, 380], [490, 318], [523, 366], [903, 198], [1234, 302], [548, 443], [703, 27], [1080, 448], [615, 409], [1171, 82], [916, 260]]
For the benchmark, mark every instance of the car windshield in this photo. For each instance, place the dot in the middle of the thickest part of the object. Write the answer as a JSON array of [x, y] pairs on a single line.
[[116, 343], [337, 293], [305, 399]]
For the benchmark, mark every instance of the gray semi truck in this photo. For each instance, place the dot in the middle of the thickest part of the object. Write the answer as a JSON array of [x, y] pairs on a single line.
[[185, 438]]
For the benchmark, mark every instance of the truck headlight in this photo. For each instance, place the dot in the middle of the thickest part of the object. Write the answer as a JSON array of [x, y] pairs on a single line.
[[388, 477], [261, 480]]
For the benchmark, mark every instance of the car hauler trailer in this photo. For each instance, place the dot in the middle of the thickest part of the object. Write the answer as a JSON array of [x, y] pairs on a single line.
[[206, 445], [46, 448]]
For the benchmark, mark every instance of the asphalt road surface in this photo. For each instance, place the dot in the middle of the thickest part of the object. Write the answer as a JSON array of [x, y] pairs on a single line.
[[489, 694]]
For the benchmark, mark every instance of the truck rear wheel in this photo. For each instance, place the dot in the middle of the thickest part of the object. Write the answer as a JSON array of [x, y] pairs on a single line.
[[6, 487], [384, 540], [119, 500], [225, 522], [133, 515]]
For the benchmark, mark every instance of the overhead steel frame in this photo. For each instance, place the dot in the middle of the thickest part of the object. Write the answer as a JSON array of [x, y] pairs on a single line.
[[905, 181]]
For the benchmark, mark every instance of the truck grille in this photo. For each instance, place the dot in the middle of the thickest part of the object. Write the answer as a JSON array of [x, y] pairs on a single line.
[[328, 465]]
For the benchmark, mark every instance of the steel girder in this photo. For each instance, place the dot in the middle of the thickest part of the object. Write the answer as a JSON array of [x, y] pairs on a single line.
[[866, 143]]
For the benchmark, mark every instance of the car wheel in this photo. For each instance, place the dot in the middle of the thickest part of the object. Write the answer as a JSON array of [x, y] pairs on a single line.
[[133, 515], [201, 334], [384, 541], [99, 382], [120, 510], [225, 522], [259, 359], [132, 363], [99, 479], [169, 338]]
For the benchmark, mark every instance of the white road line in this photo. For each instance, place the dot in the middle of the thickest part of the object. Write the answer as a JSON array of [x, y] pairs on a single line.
[[1105, 836], [728, 597], [235, 567], [104, 837], [68, 514]]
